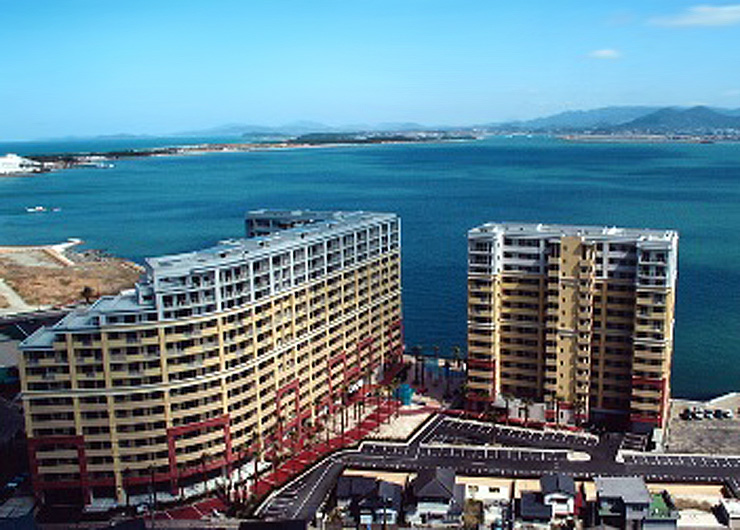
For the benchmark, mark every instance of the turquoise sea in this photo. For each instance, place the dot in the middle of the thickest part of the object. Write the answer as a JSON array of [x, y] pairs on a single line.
[[154, 206]]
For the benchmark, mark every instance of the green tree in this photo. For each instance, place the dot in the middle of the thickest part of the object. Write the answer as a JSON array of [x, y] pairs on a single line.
[[88, 293]]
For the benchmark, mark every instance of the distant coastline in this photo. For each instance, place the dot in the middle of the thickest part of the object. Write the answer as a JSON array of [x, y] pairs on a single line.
[[45, 163], [642, 138]]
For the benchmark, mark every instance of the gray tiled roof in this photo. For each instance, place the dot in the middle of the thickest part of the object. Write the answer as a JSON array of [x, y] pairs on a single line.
[[631, 490]]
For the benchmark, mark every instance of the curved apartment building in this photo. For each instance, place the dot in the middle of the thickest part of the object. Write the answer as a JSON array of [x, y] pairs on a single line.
[[215, 353]]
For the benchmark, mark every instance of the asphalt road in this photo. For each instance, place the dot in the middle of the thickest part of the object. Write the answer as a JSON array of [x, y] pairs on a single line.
[[474, 448]]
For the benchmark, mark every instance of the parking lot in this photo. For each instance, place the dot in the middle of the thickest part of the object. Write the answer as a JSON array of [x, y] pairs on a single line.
[[708, 435], [481, 454], [462, 431], [685, 460]]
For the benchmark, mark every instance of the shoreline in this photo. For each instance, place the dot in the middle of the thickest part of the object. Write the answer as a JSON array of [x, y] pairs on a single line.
[[644, 139], [103, 159]]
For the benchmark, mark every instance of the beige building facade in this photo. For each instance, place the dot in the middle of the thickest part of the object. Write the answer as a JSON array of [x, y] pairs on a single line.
[[217, 356], [577, 317]]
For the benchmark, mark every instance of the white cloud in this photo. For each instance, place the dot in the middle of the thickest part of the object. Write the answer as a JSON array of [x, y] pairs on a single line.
[[606, 54], [731, 93], [703, 15]]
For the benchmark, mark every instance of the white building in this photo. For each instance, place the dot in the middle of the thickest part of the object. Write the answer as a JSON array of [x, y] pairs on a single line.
[[12, 164], [495, 501]]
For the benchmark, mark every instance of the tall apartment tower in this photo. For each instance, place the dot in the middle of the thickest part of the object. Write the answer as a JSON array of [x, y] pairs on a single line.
[[216, 354], [577, 317]]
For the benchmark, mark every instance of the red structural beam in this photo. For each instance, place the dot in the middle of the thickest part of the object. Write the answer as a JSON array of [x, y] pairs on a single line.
[[174, 432], [338, 358], [660, 384], [76, 442], [640, 418], [480, 363], [657, 383]]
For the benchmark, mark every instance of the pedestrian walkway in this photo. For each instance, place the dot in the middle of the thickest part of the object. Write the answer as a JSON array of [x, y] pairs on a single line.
[[293, 466], [296, 464]]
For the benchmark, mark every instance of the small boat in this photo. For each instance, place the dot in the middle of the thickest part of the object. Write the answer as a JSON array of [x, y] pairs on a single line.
[[35, 209]]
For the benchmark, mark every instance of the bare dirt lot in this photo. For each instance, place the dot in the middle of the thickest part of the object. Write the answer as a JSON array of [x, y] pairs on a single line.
[[46, 276]]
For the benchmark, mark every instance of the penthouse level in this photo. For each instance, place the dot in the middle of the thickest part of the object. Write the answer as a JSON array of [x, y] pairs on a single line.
[[206, 354]]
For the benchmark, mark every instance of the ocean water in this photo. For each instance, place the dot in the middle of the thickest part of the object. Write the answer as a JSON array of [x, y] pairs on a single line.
[[154, 206]]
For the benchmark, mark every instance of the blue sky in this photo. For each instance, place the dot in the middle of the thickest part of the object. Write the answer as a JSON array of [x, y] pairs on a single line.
[[103, 67]]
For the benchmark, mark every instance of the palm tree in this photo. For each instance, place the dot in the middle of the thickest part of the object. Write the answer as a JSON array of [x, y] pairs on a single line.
[[507, 400], [367, 377], [125, 473], [395, 384], [342, 408], [580, 407], [435, 355], [463, 391], [558, 400], [527, 402], [316, 419], [257, 453], [489, 412], [280, 433], [202, 460], [416, 351], [457, 356], [153, 491]]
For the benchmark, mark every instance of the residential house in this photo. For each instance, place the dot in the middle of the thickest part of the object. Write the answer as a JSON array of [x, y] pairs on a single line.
[[559, 492], [365, 500], [625, 502], [435, 499], [495, 501], [533, 510]]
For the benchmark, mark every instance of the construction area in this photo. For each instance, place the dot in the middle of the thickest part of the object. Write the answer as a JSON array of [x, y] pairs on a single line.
[[43, 277]]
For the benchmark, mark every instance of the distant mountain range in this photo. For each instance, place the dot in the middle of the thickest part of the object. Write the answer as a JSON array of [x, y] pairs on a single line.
[[605, 120], [584, 119], [303, 127], [695, 119], [698, 119], [638, 119]]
